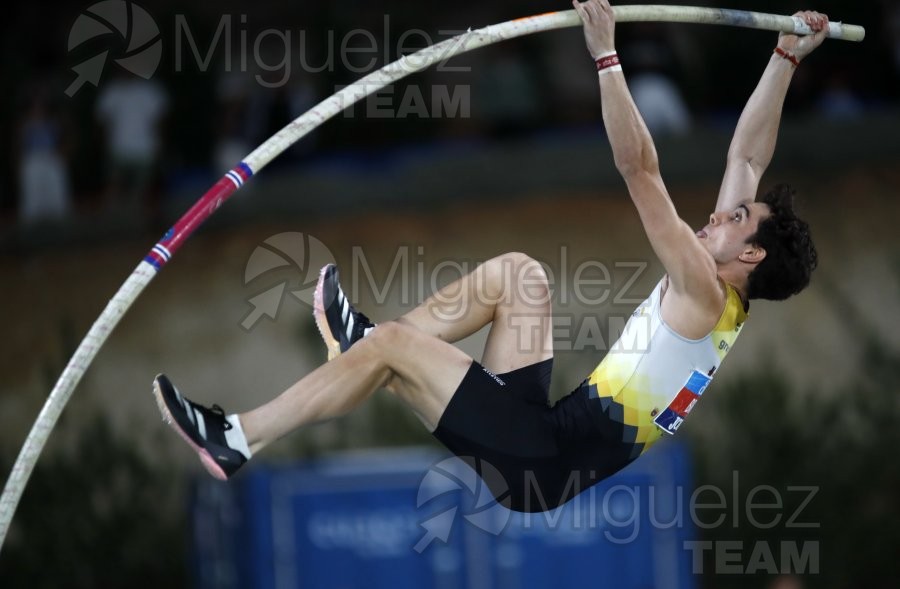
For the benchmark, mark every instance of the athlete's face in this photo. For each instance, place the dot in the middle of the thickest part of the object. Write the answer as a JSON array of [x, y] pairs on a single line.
[[726, 234]]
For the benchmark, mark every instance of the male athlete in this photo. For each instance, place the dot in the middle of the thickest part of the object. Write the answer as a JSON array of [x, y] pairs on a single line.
[[497, 410]]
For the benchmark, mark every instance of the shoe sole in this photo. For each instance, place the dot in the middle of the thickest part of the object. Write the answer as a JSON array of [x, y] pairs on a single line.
[[205, 457], [334, 346]]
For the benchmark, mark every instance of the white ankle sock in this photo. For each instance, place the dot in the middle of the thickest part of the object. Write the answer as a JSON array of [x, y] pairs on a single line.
[[235, 437]]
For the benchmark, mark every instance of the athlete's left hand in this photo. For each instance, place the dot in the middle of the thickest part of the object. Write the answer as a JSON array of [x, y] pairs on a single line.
[[803, 45], [599, 25]]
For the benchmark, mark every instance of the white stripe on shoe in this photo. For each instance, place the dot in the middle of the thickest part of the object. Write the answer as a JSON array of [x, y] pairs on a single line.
[[350, 324], [189, 411], [201, 424], [235, 437]]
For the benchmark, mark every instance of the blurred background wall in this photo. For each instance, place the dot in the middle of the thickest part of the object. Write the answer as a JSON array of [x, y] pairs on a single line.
[[514, 158]]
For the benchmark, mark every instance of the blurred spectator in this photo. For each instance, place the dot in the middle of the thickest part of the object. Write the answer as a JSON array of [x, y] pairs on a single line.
[[233, 143], [838, 100], [131, 111], [571, 77], [506, 91], [657, 97], [249, 112], [43, 178]]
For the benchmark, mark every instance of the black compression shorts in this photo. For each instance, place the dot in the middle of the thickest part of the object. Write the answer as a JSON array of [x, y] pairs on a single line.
[[533, 457]]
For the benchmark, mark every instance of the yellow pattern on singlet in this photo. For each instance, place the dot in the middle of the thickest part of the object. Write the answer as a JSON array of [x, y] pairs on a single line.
[[652, 377]]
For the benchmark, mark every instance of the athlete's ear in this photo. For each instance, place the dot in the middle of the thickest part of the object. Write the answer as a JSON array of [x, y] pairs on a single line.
[[752, 254]]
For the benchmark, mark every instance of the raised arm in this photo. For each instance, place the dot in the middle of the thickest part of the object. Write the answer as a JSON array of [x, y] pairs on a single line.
[[757, 130], [691, 269]]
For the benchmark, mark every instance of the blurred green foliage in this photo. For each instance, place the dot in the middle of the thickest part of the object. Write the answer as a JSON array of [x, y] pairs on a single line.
[[96, 514]]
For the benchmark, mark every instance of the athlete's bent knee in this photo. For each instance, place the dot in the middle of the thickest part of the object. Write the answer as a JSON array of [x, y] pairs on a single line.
[[389, 333], [516, 260], [513, 270], [384, 342], [528, 280]]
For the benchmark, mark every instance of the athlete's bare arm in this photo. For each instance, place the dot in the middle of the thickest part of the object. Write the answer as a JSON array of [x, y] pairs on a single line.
[[754, 138], [691, 269]]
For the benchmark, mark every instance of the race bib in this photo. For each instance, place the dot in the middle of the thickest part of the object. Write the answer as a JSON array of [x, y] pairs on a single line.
[[672, 416]]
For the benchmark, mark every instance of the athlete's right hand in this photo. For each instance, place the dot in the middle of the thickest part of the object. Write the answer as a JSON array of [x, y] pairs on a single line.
[[599, 25]]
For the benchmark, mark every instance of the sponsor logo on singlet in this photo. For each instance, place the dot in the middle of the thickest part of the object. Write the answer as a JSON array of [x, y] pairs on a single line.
[[673, 416]]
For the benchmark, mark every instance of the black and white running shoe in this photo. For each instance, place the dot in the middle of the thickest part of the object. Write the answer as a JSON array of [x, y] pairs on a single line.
[[339, 323], [205, 429]]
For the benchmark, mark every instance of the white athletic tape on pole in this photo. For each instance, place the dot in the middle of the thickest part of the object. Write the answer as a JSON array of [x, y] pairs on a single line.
[[303, 125]]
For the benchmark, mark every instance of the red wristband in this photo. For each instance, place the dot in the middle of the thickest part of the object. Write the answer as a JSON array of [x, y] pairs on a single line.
[[788, 56], [607, 61]]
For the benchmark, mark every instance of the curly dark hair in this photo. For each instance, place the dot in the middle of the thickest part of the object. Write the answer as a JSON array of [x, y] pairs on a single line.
[[790, 254]]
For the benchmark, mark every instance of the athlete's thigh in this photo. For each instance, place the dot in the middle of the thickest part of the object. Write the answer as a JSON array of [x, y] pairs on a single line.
[[522, 331], [426, 370]]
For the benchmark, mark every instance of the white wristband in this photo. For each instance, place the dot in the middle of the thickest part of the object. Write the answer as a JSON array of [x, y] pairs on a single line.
[[614, 68]]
